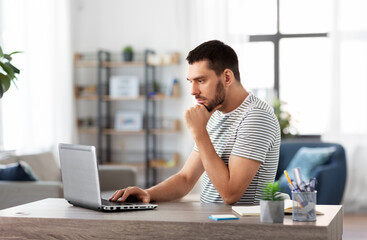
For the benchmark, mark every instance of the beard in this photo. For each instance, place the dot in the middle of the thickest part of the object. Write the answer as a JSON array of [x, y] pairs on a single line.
[[218, 99]]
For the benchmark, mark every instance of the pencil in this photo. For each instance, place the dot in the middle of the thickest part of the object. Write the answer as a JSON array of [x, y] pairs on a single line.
[[289, 180]]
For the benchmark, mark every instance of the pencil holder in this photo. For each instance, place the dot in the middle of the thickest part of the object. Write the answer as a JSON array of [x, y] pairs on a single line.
[[304, 206]]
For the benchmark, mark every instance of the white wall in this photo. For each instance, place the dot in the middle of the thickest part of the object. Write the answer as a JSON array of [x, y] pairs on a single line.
[[161, 25]]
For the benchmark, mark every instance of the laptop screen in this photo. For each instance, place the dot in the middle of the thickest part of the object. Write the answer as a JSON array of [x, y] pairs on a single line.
[[79, 171]]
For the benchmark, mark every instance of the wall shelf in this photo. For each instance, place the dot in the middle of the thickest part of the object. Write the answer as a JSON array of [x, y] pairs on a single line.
[[103, 131]]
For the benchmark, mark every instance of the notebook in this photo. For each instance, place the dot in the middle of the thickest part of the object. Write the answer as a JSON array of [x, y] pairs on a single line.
[[255, 210], [79, 172]]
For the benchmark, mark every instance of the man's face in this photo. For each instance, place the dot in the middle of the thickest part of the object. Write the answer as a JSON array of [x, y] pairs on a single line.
[[207, 87]]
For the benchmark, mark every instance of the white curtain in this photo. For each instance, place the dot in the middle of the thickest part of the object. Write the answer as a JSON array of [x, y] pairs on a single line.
[[208, 20], [348, 112], [39, 114]]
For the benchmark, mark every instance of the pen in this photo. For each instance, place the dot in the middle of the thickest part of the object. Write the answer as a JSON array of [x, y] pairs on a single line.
[[298, 178], [312, 184]]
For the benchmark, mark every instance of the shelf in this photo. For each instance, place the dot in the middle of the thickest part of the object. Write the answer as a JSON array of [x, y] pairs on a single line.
[[154, 163], [86, 64], [107, 62], [94, 97], [94, 64], [88, 130], [109, 98], [116, 64], [109, 131]]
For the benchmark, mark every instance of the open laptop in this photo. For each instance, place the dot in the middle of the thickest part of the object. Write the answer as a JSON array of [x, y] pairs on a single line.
[[79, 171]]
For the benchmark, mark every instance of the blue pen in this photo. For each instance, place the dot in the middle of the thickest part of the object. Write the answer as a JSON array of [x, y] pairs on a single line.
[[313, 182]]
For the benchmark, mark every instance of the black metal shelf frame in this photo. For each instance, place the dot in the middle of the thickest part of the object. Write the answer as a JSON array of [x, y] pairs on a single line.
[[104, 73]]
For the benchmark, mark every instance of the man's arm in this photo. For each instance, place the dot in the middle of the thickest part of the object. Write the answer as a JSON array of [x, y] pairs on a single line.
[[231, 182], [172, 188]]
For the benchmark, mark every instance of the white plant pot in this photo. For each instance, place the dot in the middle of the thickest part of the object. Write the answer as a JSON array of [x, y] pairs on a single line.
[[271, 211]]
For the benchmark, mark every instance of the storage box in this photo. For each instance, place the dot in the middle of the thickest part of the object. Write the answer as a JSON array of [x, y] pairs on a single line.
[[124, 86]]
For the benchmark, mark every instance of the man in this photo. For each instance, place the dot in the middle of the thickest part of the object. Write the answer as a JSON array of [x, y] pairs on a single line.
[[237, 136]]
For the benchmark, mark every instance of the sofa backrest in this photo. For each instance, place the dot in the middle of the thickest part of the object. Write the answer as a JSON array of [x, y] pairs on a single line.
[[289, 149], [44, 165]]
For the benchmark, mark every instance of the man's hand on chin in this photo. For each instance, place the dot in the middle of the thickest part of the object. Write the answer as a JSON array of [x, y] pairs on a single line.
[[197, 117]]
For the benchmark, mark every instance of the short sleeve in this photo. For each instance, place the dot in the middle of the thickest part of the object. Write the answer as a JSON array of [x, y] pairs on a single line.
[[256, 135]]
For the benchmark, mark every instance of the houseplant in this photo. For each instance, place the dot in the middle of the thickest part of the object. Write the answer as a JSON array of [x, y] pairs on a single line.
[[272, 204], [7, 71], [285, 120], [127, 53]]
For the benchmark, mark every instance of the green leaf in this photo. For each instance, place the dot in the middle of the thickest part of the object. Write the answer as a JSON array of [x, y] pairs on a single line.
[[16, 86], [1, 52], [8, 57], [8, 70], [1, 90], [271, 192], [15, 70], [15, 52], [5, 81]]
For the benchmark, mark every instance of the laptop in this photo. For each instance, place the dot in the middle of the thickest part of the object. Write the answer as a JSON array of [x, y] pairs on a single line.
[[79, 172]]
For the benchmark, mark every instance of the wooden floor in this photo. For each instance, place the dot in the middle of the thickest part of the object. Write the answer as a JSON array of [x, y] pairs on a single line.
[[355, 226]]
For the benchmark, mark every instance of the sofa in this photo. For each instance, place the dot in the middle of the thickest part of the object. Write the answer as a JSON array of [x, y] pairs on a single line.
[[45, 168], [331, 174]]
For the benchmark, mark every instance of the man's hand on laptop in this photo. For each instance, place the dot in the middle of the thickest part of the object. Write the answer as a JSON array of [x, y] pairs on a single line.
[[131, 192]]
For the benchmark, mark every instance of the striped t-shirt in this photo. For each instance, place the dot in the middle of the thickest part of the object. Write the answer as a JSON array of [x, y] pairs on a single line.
[[250, 131]]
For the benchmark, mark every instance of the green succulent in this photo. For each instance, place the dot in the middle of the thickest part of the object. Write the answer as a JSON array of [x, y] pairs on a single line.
[[7, 71], [272, 192]]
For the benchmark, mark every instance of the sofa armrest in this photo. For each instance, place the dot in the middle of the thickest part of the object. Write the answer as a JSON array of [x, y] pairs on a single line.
[[15, 193], [116, 177], [330, 187]]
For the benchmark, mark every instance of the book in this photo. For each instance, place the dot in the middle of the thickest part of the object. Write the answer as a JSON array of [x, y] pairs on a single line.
[[218, 217], [255, 210]]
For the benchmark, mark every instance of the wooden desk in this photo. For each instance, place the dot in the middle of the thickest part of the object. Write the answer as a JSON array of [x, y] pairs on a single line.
[[54, 218]]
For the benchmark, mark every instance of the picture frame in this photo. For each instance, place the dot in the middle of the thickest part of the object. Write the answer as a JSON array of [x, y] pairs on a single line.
[[129, 121], [124, 86]]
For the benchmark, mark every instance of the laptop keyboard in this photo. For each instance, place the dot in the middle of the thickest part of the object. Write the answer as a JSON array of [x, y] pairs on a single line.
[[108, 203]]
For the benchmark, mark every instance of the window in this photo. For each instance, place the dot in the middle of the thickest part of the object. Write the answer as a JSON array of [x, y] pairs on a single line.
[[288, 50]]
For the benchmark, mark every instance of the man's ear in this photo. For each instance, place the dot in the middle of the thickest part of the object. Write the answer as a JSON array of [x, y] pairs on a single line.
[[228, 77]]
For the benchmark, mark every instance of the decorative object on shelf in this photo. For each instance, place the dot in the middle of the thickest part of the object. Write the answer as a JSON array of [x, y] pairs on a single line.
[[128, 53], [7, 71], [129, 121], [174, 91], [165, 163], [81, 91], [156, 59], [124, 86], [285, 120], [272, 204]]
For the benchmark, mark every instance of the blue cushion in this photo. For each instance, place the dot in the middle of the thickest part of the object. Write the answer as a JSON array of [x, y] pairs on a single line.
[[19, 171], [307, 159]]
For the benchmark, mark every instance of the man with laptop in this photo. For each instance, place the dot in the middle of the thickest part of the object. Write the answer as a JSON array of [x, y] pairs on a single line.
[[237, 136]]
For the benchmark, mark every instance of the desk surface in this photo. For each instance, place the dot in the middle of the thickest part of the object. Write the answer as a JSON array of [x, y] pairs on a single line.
[[178, 220]]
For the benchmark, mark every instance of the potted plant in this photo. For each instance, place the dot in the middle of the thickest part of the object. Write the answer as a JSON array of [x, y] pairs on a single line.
[[272, 204], [285, 120], [7, 72], [127, 53]]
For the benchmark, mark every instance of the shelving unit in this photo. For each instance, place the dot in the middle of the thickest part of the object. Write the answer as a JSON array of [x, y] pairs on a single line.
[[104, 130]]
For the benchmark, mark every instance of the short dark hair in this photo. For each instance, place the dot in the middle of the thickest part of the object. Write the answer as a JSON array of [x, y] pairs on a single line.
[[219, 55]]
